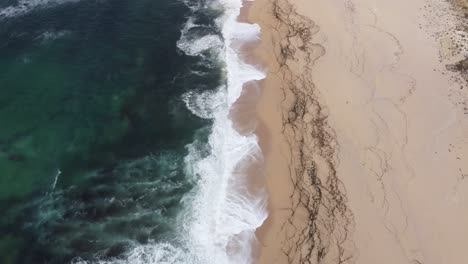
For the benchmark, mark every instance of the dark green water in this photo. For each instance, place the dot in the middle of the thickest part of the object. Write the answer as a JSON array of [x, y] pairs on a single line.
[[92, 89]]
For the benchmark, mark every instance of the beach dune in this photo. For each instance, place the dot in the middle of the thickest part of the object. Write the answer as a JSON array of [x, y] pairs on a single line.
[[363, 121]]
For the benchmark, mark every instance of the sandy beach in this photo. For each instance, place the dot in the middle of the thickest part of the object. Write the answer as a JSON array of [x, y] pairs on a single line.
[[363, 123]]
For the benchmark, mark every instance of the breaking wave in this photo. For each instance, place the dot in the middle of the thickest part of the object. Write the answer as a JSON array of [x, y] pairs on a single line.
[[221, 213]]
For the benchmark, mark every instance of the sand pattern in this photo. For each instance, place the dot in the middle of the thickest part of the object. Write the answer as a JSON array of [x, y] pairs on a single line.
[[320, 221], [372, 96]]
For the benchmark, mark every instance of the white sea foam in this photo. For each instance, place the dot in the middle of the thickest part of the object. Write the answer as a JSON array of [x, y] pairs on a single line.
[[207, 103], [52, 35], [25, 6], [220, 225], [195, 46], [162, 253]]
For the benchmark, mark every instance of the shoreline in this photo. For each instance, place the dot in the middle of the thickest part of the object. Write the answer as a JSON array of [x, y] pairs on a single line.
[[377, 116], [311, 215], [243, 116]]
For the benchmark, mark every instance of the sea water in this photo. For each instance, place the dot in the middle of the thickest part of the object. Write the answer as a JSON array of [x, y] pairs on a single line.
[[115, 139]]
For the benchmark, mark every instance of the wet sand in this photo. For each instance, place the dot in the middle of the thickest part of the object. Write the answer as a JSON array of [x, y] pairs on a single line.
[[363, 122]]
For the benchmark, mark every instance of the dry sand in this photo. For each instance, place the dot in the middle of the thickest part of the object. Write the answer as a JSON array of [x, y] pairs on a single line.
[[363, 121]]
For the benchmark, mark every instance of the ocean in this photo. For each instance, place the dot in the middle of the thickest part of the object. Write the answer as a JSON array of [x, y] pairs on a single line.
[[116, 144]]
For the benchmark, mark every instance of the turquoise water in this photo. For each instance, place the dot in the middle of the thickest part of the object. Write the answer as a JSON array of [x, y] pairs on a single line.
[[93, 131]]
